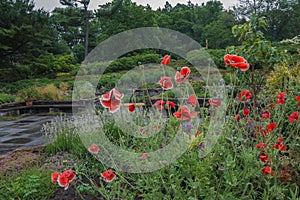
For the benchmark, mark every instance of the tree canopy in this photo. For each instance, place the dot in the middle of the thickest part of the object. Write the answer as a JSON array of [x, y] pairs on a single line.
[[28, 34]]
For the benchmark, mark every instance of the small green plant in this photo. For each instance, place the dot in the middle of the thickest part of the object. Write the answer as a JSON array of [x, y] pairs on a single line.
[[31, 184], [30, 93], [6, 98]]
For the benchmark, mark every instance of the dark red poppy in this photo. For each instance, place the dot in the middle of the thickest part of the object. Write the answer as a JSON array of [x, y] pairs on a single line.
[[280, 95], [279, 145], [237, 62], [112, 100], [215, 103], [246, 111], [131, 107], [294, 117], [244, 96], [93, 149], [159, 104], [261, 145], [271, 105], [166, 83], [184, 113], [280, 98], [108, 175], [268, 170], [266, 114], [170, 104], [237, 117], [298, 99], [192, 100], [264, 158], [271, 127], [183, 75], [166, 60]]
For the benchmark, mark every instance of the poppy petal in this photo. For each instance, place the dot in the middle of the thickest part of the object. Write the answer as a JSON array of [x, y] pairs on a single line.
[[54, 177], [115, 106], [166, 83], [63, 181], [117, 94], [105, 103], [192, 100]]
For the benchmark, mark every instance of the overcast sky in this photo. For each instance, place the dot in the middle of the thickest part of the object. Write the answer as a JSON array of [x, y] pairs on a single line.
[[50, 4]]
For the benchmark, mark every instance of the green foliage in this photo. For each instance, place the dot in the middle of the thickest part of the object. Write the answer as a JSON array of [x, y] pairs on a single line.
[[49, 65], [15, 87], [30, 184], [30, 93], [255, 48], [283, 78], [218, 57], [6, 98], [127, 63]]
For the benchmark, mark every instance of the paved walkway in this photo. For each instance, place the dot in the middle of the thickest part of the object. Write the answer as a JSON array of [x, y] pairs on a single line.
[[23, 132]]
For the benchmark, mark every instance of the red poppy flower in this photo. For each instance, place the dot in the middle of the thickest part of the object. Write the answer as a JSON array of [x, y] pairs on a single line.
[[298, 99], [183, 75], [192, 100], [63, 181], [294, 117], [237, 117], [244, 96], [271, 105], [166, 60], [237, 62], [266, 114], [280, 98], [280, 101], [65, 178], [54, 177], [108, 175], [246, 111], [261, 145], [93, 149], [184, 113], [159, 104], [131, 107], [166, 83], [271, 127], [170, 104], [264, 158], [279, 145], [69, 174], [112, 100], [197, 133], [280, 95], [268, 170], [144, 156], [215, 103]]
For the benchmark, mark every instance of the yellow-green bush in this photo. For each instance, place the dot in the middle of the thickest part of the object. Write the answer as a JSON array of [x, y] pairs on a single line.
[[283, 79]]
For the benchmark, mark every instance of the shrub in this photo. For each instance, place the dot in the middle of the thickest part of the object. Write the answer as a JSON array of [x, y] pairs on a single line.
[[30, 93], [217, 56], [6, 98]]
